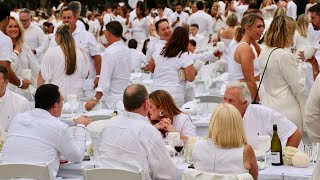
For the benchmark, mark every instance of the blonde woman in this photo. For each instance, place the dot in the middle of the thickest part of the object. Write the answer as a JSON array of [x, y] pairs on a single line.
[[283, 91], [22, 56], [226, 150], [64, 65], [244, 65]]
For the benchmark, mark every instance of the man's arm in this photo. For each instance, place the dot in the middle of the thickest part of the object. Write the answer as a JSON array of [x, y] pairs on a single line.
[[97, 64], [294, 139], [43, 41]]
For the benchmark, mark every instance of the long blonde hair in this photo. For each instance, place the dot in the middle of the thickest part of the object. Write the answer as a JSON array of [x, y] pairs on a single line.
[[21, 31], [302, 25], [226, 127], [280, 33], [68, 47]]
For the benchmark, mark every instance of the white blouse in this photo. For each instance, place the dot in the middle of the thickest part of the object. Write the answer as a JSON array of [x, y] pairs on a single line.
[[183, 124]]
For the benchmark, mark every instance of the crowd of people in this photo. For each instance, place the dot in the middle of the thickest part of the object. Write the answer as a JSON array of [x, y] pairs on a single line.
[[270, 57]]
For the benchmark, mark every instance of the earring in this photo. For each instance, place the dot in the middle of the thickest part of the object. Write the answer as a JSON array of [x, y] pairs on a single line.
[[161, 113]]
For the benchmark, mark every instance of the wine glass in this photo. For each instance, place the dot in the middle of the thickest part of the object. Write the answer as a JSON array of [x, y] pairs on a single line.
[[178, 146], [72, 100]]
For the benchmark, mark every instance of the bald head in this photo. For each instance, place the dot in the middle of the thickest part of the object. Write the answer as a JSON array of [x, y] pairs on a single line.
[[134, 97]]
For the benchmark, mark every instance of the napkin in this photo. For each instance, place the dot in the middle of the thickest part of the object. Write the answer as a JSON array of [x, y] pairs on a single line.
[[67, 107]]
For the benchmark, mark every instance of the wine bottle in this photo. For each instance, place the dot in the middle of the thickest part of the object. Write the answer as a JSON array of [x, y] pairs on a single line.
[[276, 148]]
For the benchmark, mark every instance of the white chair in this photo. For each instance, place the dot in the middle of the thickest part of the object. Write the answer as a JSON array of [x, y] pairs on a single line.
[[192, 174], [39, 172], [112, 174]]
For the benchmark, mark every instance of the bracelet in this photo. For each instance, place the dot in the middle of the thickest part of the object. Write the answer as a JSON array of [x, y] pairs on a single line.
[[97, 76], [21, 84], [17, 52]]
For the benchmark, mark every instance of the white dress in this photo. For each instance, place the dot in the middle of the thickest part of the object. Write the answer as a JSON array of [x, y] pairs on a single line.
[[166, 75], [53, 71], [25, 60], [208, 157], [283, 91]]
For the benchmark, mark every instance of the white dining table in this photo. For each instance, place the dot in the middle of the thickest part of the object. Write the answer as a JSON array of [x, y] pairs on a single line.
[[74, 171]]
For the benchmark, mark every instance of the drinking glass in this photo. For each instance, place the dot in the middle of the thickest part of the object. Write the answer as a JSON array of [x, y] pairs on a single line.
[[308, 151], [178, 146], [72, 100]]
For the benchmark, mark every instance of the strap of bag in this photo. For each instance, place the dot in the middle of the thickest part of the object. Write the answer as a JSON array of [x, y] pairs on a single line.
[[264, 70]]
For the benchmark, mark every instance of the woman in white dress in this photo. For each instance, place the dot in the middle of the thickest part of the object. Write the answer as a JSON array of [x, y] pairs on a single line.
[[283, 90], [22, 56], [226, 150], [170, 62], [64, 65], [244, 65], [167, 117], [139, 27]]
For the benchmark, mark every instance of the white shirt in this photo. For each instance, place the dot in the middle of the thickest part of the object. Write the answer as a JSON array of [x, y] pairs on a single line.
[[202, 42], [137, 59], [183, 18], [167, 11], [240, 11], [129, 142], [6, 47], [110, 17], [35, 38], [11, 104], [204, 22], [140, 29], [53, 71], [183, 124], [78, 24], [208, 157], [153, 46], [115, 72], [88, 43], [222, 6], [166, 74], [292, 10], [259, 120], [37, 137]]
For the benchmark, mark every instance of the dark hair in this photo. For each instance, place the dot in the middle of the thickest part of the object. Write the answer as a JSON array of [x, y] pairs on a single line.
[[115, 28], [115, 6], [195, 25], [177, 44], [315, 9], [193, 42], [200, 5], [75, 6], [133, 44], [144, 48], [161, 6], [178, 4], [46, 96], [134, 96], [47, 24], [253, 6], [142, 8], [160, 21], [5, 72]]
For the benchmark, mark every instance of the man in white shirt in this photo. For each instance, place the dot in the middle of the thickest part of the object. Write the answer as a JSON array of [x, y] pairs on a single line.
[[291, 9], [38, 136], [130, 142], [138, 58], [6, 48], [115, 69], [11, 103], [114, 16], [34, 36], [201, 41], [241, 9], [179, 17], [87, 42], [75, 6], [203, 19], [164, 31], [258, 119]]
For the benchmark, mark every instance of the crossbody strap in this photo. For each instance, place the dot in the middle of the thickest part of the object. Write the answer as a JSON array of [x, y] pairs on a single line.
[[264, 70]]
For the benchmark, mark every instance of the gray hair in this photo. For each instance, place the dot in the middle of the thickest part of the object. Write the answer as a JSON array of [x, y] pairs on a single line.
[[245, 91], [27, 11], [75, 6]]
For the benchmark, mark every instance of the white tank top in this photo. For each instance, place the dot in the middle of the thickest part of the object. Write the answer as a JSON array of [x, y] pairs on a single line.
[[234, 68], [208, 157]]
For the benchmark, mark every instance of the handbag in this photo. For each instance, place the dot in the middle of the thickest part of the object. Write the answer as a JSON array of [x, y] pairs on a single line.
[[264, 70]]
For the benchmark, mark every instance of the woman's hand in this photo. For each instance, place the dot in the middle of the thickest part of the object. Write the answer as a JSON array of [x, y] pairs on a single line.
[[159, 125], [167, 123], [18, 48]]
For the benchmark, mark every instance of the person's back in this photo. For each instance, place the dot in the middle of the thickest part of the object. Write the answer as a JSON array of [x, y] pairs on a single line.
[[129, 142], [208, 157]]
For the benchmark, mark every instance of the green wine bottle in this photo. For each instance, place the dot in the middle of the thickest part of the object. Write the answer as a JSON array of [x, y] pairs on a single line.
[[276, 148]]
